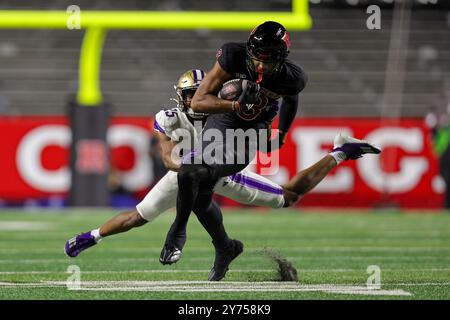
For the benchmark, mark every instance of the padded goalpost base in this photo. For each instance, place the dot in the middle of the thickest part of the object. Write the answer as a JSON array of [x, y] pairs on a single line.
[[89, 155]]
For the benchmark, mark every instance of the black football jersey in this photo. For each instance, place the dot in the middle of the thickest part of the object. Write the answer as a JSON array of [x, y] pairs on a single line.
[[290, 80]]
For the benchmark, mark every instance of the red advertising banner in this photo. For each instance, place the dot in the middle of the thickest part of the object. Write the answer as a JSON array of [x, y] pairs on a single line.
[[34, 160], [405, 174]]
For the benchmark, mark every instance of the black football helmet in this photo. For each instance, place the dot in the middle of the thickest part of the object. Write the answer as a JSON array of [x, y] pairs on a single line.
[[268, 42]]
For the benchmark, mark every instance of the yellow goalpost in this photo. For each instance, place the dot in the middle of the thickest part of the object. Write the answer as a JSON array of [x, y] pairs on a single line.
[[97, 23]]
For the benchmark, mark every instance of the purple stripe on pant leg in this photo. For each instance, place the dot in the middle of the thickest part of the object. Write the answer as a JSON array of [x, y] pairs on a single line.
[[246, 181], [158, 127]]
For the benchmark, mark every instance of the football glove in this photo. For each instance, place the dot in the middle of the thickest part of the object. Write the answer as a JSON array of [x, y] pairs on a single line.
[[248, 98]]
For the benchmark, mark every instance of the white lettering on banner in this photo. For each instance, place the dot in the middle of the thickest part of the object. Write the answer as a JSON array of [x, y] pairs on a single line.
[[309, 141], [412, 168], [29, 151], [140, 176], [28, 158]]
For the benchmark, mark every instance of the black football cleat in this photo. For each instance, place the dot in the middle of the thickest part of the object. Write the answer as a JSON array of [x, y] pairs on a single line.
[[223, 259], [169, 254]]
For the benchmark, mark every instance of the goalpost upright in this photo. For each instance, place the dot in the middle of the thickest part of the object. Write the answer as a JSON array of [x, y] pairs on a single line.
[[89, 114]]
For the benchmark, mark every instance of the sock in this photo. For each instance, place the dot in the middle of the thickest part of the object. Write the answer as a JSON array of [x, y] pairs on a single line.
[[189, 178], [338, 155], [96, 234], [212, 220]]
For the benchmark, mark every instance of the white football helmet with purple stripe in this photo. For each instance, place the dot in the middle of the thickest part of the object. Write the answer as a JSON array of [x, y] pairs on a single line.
[[189, 83]]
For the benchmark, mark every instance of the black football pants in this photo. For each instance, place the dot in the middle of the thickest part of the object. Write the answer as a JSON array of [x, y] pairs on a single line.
[[196, 180]]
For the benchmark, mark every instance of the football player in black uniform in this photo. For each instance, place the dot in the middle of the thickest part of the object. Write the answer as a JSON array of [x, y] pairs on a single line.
[[271, 81], [262, 61]]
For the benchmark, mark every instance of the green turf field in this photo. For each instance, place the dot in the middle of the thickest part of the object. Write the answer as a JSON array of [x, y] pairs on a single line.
[[331, 252]]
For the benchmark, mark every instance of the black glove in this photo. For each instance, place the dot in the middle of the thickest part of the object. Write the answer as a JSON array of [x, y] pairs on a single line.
[[248, 98]]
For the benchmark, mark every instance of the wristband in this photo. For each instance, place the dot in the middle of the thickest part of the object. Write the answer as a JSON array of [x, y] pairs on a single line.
[[234, 104], [339, 156]]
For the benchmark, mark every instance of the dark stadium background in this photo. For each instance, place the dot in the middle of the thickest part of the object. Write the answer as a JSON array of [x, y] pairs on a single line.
[[345, 61]]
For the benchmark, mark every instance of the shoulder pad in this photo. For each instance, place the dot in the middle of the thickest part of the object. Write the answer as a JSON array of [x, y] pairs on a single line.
[[295, 79], [167, 120]]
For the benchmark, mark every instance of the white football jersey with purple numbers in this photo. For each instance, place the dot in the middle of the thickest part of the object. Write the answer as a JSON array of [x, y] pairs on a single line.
[[175, 124], [245, 187]]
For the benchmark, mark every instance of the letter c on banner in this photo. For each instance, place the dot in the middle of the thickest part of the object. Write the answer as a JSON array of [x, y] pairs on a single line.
[[28, 158], [137, 138]]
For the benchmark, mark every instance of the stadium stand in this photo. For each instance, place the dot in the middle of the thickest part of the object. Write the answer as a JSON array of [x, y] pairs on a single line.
[[345, 61]]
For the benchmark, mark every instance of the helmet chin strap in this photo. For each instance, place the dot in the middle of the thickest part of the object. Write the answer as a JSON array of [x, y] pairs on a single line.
[[260, 72]]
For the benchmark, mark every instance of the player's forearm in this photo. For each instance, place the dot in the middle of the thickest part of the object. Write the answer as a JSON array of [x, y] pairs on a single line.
[[307, 179], [288, 112], [169, 154], [209, 103], [171, 164]]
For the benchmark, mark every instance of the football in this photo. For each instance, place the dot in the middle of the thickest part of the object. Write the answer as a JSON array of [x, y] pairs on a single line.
[[232, 89]]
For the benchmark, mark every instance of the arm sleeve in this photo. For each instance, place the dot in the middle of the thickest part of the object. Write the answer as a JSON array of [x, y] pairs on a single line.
[[288, 112], [166, 121], [159, 124]]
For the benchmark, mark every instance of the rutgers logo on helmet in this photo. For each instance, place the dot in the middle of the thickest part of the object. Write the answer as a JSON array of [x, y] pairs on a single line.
[[189, 83], [268, 42]]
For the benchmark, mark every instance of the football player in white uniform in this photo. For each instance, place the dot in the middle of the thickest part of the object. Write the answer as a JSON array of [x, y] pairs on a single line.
[[246, 187]]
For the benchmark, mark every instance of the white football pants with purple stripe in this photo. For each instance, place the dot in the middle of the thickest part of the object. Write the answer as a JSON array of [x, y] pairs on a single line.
[[245, 187]]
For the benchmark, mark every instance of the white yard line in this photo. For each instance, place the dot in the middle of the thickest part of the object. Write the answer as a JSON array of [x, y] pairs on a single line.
[[33, 261], [337, 289], [207, 270], [292, 258], [133, 271], [382, 269], [247, 258], [206, 286], [253, 251], [25, 226]]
